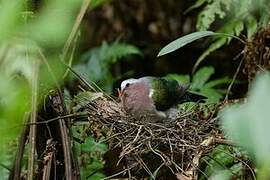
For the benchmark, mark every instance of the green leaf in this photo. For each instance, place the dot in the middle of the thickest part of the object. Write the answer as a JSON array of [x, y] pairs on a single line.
[[182, 41], [91, 145], [90, 156], [96, 176], [214, 46], [96, 62], [97, 3], [197, 4], [52, 26], [217, 82], [239, 27], [114, 52], [96, 69], [90, 168], [16, 61], [14, 102], [263, 7], [227, 33], [222, 175], [219, 159], [201, 77], [248, 124], [181, 79], [251, 25], [211, 10], [223, 158], [187, 106], [213, 95], [10, 17]]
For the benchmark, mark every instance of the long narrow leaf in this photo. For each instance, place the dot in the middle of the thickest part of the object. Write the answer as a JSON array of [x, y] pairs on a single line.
[[201, 77], [182, 41], [213, 83]]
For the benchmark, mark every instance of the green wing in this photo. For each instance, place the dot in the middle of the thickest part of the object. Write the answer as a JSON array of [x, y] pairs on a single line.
[[165, 92]]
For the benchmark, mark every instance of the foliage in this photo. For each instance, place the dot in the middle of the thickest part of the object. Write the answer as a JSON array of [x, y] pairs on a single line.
[[201, 83], [30, 47], [182, 41], [248, 124], [212, 9], [236, 16], [24, 36], [8, 159], [88, 150], [97, 62], [89, 154], [97, 3], [223, 159], [83, 98]]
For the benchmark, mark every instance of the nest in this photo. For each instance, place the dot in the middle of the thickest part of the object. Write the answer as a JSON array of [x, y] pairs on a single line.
[[257, 53], [174, 145]]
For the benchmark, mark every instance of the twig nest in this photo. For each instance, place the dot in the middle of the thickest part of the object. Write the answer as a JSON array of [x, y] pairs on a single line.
[[173, 143]]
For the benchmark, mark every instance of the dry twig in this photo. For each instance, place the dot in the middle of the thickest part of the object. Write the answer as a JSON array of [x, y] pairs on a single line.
[[176, 143]]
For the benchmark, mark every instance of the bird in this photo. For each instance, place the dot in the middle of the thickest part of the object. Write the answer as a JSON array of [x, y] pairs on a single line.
[[153, 96]]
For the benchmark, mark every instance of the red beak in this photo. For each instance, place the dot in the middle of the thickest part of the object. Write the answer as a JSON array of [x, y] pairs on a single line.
[[120, 93]]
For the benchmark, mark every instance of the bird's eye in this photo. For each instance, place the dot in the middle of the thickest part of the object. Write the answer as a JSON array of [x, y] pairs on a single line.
[[127, 84]]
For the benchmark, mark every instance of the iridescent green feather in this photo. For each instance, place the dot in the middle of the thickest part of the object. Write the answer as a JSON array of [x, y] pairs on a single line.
[[166, 92]]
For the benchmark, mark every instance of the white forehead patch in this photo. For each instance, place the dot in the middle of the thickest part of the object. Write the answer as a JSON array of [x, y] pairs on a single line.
[[128, 81], [151, 93]]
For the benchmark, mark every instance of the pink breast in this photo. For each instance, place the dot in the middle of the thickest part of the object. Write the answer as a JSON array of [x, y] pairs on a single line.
[[136, 99]]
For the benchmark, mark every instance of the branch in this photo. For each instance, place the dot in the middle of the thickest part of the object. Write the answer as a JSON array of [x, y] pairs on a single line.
[[32, 133]]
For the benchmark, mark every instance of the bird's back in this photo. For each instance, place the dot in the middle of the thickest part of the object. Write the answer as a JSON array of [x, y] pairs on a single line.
[[165, 92]]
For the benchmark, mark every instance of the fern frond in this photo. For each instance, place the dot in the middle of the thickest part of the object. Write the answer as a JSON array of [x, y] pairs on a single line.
[[211, 10], [197, 4], [114, 52], [239, 15], [251, 25], [97, 62]]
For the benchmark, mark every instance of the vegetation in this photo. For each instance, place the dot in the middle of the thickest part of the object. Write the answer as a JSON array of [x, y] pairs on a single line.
[[62, 61], [238, 15]]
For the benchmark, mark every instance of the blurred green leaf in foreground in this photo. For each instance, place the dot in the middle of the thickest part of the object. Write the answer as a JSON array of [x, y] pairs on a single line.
[[248, 124], [26, 37]]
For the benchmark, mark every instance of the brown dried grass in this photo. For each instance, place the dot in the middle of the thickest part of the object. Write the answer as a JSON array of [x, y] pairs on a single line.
[[176, 143]]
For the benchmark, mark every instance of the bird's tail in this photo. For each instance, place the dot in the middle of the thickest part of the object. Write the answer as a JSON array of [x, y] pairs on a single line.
[[192, 97]]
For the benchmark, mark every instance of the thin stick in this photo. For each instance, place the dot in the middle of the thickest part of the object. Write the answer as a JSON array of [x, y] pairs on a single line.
[[234, 77], [58, 118], [71, 58], [75, 28], [223, 141], [16, 170], [94, 87], [48, 158], [66, 147], [121, 172], [73, 36], [32, 133]]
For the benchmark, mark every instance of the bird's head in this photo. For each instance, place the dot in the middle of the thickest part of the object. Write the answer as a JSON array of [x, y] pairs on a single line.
[[126, 83]]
